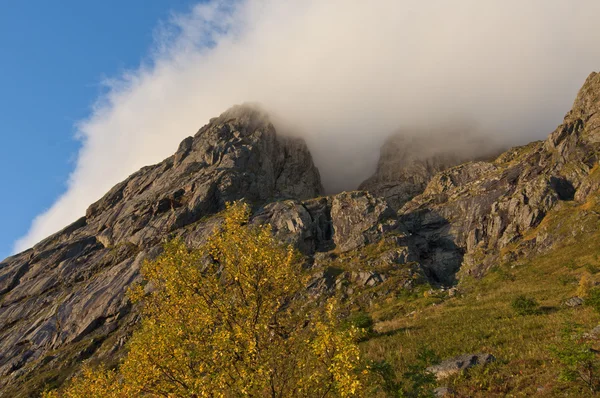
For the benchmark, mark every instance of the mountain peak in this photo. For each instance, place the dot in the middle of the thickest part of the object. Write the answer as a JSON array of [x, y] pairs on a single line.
[[74, 282], [249, 114], [579, 134], [409, 159], [588, 98]]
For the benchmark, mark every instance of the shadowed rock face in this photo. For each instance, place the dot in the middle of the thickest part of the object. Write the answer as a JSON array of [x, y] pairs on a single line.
[[64, 300]]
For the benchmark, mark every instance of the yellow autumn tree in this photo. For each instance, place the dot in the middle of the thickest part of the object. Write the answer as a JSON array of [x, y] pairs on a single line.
[[230, 320]]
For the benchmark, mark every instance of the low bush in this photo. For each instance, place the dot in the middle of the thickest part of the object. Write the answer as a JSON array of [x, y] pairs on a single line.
[[524, 305], [361, 320], [593, 299], [579, 362], [585, 285]]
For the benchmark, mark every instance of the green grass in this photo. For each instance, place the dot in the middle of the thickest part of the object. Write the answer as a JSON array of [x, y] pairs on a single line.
[[481, 319]]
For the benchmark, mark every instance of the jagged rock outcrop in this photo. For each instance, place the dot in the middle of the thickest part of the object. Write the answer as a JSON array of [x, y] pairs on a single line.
[[353, 241], [307, 225], [471, 213], [344, 222], [359, 218], [410, 159], [66, 296]]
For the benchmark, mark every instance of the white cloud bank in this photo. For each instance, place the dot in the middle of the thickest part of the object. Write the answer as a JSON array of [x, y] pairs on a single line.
[[345, 72]]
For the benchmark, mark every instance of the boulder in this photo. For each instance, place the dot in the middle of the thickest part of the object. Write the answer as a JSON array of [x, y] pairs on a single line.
[[593, 334], [458, 364], [358, 218], [574, 302], [443, 392]]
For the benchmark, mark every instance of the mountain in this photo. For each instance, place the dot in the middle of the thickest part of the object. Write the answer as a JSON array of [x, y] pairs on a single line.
[[62, 299], [411, 157], [423, 221], [486, 207]]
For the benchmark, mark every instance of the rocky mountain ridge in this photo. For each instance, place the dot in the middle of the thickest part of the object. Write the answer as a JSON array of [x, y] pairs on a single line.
[[409, 159], [64, 301], [487, 207]]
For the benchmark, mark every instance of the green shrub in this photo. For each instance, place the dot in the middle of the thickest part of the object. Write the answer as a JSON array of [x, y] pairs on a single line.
[[593, 299], [591, 268], [567, 280], [524, 305], [361, 320], [415, 382], [579, 361]]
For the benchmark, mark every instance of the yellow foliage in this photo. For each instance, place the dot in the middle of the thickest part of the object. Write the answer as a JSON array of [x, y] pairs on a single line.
[[229, 320], [585, 285], [93, 383]]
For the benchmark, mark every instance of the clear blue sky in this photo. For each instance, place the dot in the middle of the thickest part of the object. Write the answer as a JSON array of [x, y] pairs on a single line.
[[53, 57]]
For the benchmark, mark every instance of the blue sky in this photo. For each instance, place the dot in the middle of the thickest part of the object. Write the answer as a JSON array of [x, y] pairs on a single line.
[[344, 74], [53, 58]]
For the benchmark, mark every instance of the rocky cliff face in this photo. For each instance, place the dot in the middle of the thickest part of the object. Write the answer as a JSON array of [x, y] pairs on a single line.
[[470, 214], [410, 159], [424, 219]]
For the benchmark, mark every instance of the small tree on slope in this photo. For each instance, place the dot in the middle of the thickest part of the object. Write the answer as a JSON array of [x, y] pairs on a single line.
[[228, 320]]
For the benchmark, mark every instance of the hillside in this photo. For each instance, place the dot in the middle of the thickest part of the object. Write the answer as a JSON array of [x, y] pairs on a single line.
[[523, 223]]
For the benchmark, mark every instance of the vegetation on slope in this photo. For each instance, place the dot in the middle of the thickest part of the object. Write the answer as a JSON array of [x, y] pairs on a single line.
[[496, 314], [516, 312], [222, 321]]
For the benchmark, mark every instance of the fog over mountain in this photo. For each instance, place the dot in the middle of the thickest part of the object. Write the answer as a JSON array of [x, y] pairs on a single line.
[[343, 74]]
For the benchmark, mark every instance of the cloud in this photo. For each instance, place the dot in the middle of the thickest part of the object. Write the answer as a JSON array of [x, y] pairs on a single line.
[[345, 73]]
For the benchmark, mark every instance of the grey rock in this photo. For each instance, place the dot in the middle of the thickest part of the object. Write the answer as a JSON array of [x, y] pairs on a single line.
[[325, 281], [367, 278], [458, 364], [574, 302], [307, 225], [593, 334], [346, 222], [359, 218], [291, 223], [443, 392], [398, 255]]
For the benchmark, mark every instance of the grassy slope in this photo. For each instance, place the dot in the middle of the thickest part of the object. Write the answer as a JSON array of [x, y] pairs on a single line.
[[481, 319]]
